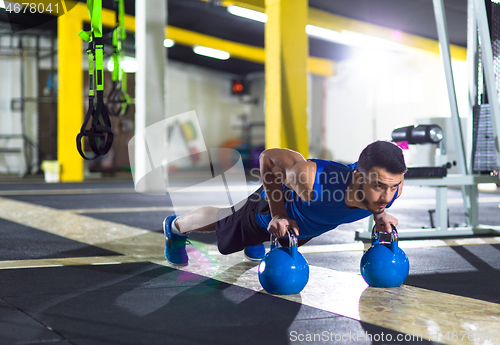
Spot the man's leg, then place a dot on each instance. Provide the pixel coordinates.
(176, 230)
(197, 221)
(230, 237)
(202, 219)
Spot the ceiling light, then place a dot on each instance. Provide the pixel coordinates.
(322, 33)
(365, 41)
(246, 13)
(168, 43)
(344, 37)
(354, 39)
(213, 53)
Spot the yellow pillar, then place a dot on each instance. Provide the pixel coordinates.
(70, 95)
(286, 75)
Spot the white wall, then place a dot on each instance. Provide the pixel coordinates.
(209, 94)
(374, 94)
(316, 115)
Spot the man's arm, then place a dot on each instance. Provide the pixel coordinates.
(282, 166)
(383, 220)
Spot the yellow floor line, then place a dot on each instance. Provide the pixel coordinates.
(405, 309)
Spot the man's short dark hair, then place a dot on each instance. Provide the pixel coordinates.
(382, 154)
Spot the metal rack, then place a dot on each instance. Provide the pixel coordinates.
(478, 31)
(250, 141)
(16, 48)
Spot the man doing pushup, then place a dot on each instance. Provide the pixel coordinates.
(310, 196)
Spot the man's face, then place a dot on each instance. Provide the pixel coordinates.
(378, 188)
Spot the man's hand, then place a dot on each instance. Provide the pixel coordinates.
(279, 224)
(383, 222)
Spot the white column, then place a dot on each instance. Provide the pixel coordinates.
(441, 215)
(150, 23)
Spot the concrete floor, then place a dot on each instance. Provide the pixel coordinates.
(83, 264)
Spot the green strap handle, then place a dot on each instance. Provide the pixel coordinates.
(100, 136)
(118, 99)
(121, 19)
(115, 75)
(119, 34)
(94, 8)
(90, 53)
(99, 65)
(85, 35)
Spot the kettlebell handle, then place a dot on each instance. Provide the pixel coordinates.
(376, 237)
(292, 239)
(394, 234)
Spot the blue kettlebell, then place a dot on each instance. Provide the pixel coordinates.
(385, 264)
(284, 271)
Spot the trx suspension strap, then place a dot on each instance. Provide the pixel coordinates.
(118, 99)
(99, 134)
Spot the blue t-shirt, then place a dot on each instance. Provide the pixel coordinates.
(327, 210)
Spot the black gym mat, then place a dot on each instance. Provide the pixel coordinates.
(17, 327)
(468, 271)
(143, 303)
(151, 221)
(19, 242)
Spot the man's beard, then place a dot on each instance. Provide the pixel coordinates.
(362, 196)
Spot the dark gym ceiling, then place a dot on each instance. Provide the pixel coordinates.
(409, 16)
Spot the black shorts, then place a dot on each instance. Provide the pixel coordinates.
(236, 227)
